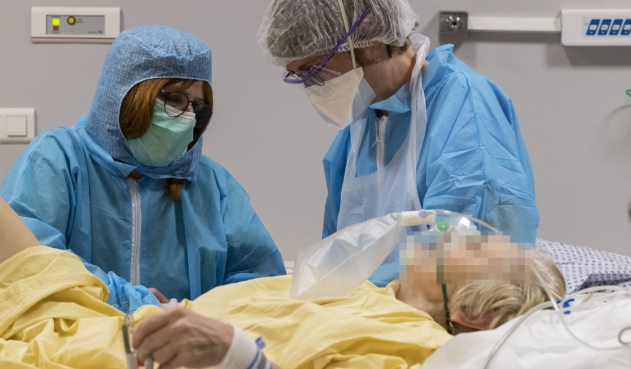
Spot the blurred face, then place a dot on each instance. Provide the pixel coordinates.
(454, 258)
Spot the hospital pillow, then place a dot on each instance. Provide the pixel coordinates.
(585, 267)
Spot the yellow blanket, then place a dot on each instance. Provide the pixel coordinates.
(53, 315)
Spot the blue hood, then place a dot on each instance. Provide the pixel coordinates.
(139, 54)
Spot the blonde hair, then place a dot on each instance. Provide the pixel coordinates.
(508, 301)
(137, 110)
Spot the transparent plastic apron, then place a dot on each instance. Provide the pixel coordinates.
(392, 188)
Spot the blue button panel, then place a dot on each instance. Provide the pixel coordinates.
(615, 27)
(593, 27)
(604, 27)
(608, 27)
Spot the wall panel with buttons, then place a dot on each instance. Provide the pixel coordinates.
(74, 24)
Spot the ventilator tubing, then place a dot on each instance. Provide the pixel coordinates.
(340, 263)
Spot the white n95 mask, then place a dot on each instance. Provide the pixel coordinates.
(167, 139)
(342, 100)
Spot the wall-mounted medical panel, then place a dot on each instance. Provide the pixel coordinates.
(92, 25)
(596, 27)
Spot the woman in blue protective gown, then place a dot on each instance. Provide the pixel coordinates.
(127, 188)
(418, 131)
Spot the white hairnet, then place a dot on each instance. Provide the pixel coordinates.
(296, 29)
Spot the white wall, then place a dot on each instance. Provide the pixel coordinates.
(571, 104)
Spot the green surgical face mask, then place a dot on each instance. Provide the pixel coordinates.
(167, 138)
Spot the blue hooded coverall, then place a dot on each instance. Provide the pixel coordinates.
(72, 188)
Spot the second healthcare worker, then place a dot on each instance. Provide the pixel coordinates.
(127, 188)
(419, 130)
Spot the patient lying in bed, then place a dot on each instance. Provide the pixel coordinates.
(53, 314)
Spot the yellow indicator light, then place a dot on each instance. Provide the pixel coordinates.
(55, 21)
(72, 20)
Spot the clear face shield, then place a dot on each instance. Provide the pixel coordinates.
(340, 99)
(318, 74)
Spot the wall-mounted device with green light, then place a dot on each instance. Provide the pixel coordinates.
(74, 24)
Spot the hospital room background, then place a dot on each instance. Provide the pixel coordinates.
(572, 103)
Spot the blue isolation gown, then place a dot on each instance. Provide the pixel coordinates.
(73, 195)
(473, 159)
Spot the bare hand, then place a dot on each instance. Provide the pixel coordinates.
(179, 337)
(159, 296)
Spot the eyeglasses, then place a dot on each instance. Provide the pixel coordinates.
(180, 102)
(317, 74)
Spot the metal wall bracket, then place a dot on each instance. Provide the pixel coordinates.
(454, 24)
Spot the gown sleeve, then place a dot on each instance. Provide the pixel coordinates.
(251, 251)
(474, 159)
(41, 187)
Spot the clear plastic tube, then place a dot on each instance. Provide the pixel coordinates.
(504, 338)
(608, 297)
(551, 303)
(596, 299)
